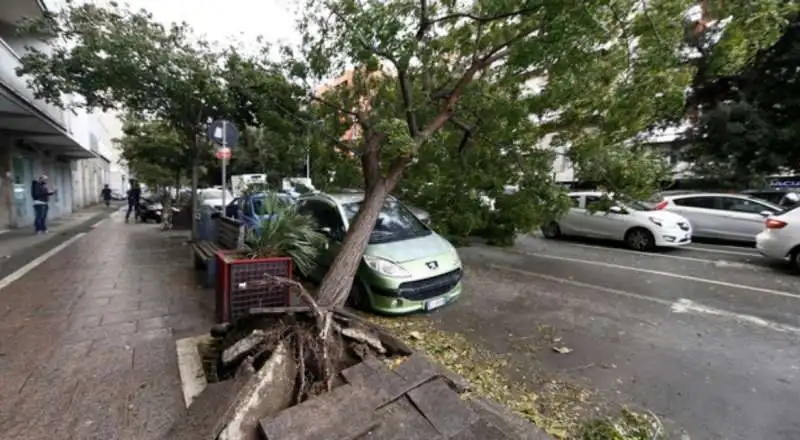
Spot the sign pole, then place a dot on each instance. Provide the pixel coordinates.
(224, 164)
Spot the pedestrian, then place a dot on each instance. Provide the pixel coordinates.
(106, 194)
(41, 197)
(134, 194)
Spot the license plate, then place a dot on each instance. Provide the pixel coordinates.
(435, 303)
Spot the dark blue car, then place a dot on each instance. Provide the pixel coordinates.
(250, 209)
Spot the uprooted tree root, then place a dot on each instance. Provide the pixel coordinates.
(323, 342)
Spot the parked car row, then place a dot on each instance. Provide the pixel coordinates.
(677, 217)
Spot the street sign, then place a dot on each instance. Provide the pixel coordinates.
(223, 133)
(223, 153)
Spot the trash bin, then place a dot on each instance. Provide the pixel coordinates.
(206, 230)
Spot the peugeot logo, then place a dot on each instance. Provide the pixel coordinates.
(432, 265)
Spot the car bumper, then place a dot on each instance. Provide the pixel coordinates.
(771, 247)
(427, 295)
(676, 238)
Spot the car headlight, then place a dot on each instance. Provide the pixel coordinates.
(386, 267)
(657, 221)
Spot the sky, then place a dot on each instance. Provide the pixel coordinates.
(225, 21)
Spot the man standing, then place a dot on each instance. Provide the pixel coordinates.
(106, 194)
(41, 197)
(134, 194)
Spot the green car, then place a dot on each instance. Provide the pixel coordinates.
(407, 267)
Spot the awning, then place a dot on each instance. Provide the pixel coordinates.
(22, 120)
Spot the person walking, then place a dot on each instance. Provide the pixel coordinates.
(106, 194)
(134, 194)
(41, 198)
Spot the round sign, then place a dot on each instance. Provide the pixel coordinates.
(223, 132)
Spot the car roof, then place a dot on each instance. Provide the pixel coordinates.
(586, 193)
(706, 194)
(342, 198)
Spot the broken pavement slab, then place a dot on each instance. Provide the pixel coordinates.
(243, 346)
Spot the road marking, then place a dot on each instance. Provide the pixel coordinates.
(684, 305)
(724, 251)
(94, 226)
(680, 306)
(717, 263)
(3, 231)
(580, 284)
(19, 273)
(665, 274)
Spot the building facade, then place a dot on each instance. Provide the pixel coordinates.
(73, 149)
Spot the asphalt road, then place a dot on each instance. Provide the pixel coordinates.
(707, 337)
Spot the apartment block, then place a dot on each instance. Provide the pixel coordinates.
(74, 149)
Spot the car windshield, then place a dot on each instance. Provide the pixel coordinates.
(638, 206)
(395, 222)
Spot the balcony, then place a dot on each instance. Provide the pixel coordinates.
(18, 88)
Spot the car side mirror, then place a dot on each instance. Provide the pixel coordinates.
(616, 210)
(766, 213)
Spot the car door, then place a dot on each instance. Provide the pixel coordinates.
(744, 218)
(328, 218)
(601, 223)
(570, 223)
(704, 213)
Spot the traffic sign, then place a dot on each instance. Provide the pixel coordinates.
(223, 153)
(223, 133)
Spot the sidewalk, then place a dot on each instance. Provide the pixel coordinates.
(88, 347)
(14, 240)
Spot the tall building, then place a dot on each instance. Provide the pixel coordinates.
(73, 149)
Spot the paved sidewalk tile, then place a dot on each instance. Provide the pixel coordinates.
(88, 347)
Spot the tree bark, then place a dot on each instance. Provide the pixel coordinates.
(195, 180)
(336, 285)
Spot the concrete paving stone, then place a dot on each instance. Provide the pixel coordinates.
(107, 331)
(154, 323)
(131, 315)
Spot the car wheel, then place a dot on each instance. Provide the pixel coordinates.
(640, 239)
(358, 297)
(794, 259)
(551, 230)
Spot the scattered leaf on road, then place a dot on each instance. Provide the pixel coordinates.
(562, 350)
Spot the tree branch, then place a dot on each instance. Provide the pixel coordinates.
(425, 23)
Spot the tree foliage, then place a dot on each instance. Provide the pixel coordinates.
(747, 127)
(155, 153)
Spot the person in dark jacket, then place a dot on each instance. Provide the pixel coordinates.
(106, 194)
(134, 194)
(41, 197)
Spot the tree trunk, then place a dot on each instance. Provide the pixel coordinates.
(336, 285)
(195, 179)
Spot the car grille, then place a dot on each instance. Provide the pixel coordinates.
(430, 287)
(684, 226)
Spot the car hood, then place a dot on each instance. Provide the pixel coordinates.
(404, 251)
(666, 216)
(213, 202)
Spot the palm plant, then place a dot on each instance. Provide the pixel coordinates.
(285, 232)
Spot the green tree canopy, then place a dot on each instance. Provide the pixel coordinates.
(156, 154)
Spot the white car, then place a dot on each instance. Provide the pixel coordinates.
(640, 227)
(780, 239)
(721, 216)
(212, 198)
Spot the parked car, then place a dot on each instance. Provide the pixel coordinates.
(734, 217)
(250, 209)
(780, 239)
(784, 198)
(635, 223)
(406, 267)
(212, 198)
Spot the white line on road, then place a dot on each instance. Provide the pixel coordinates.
(754, 254)
(718, 263)
(681, 306)
(580, 284)
(3, 231)
(665, 274)
(684, 305)
(94, 226)
(19, 273)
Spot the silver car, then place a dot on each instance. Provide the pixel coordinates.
(721, 216)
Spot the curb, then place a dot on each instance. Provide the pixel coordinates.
(190, 367)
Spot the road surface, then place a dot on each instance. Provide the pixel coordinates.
(707, 337)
